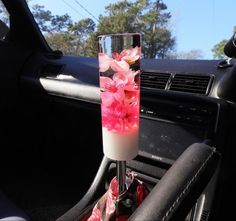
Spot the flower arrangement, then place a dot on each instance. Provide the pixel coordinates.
(119, 68)
(120, 91)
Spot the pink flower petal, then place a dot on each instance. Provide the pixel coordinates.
(104, 62)
(107, 98)
(120, 78)
(119, 65)
(132, 55)
(104, 81)
(96, 215)
(119, 95)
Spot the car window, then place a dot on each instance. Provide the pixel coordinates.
(181, 29)
(4, 21)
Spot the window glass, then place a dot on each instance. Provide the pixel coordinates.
(179, 29)
(4, 21)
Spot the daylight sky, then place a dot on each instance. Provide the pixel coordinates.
(196, 24)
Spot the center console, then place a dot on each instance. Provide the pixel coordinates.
(167, 128)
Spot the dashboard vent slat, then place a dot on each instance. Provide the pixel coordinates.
(205, 215)
(197, 84)
(190, 83)
(154, 80)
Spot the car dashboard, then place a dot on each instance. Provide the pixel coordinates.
(182, 102)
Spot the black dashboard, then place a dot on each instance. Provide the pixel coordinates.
(180, 99)
(48, 100)
(182, 102)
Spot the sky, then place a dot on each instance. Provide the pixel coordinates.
(196, 24)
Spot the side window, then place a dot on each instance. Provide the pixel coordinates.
(4, 21)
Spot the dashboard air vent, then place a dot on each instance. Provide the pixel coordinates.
(154, 80)
(205, 215)
(198, 84)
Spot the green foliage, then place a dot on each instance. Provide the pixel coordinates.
(73, 41)
(60, 22)
(218, 49)
(43, 17)
(148, 17)
(143, 16)
(82, 28)
(62, 42)
(48, 22)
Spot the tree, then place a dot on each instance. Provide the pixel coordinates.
(48, 22)
(143, 16)
(54, 28)
(43, 17)
(148, 17)
(157, 39)
(62, 42)
(81, 31)
(218, 49)
(60, 23)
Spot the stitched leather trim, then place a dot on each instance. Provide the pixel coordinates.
(186, 189)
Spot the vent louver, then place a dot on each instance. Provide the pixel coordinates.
(154, 80)
(198, 84)
(205, 216)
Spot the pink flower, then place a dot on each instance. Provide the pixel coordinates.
(141, 192)
(95, 216)
(131, 55)
(112, 91)
(127, 57)
(104, 62)
(120, 93)
(119, 65)
(116, 89)
(120, 62)
(127, 78)
(112, 196)
(121, 117)
(120, 102)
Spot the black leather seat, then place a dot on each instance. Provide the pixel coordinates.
(9, 211)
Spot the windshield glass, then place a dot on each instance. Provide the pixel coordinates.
(180, 29)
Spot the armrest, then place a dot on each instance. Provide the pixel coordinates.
(177, 191)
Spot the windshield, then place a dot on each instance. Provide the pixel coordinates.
(180, 29)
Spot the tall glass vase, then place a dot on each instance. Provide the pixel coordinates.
(119, 72)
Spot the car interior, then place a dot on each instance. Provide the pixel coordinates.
(52, 164)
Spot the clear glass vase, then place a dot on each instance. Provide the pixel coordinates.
(119, 72)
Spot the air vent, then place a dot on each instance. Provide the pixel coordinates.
(154, 80)
(198, 84)
(205, 215)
